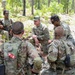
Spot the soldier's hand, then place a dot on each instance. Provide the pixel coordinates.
(1, 26)
(49, 41)
(35, 71)
(34, 36)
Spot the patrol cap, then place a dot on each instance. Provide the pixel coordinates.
(36, 18)
(5, 11)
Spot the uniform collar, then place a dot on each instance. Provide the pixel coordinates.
(39, 26)
(16, 39)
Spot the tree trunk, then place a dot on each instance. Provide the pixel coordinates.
(74, 6)
(38, 4)
(24, 7)
(67, 6)
(32, 7)
(59, 1)
(49, 2)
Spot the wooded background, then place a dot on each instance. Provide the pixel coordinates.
(38, 7)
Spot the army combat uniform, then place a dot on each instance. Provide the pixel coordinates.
(42, 35)
(7, 23)
(67, 30)
(57, 55)
(16, 64)
(6, 29)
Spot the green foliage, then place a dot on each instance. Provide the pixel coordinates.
(28, 30)
(66, 4)
(28, 4)
(55, 8)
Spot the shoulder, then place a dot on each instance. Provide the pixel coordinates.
(44, 26)
(28, 43)
(55, 43)
(70, 44)
(34, 27)
(64, 25)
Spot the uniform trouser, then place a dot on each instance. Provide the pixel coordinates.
(50, 72)
(70, 72)
(45, 48)
(6, 34)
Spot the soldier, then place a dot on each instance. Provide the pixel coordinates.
(59, 55)
(15, 54)
(3, 32)
(56, 22)
(41, 35)
(7, 22)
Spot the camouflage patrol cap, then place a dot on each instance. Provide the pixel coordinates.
(5, 11)
(36, 18)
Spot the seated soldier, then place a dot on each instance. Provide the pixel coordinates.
(55, 20)
(41, 37)
(7, 22)
(3, 33)
(15, 53)
(59, 55)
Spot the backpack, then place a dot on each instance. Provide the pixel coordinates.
(12, 53)
(70, 54)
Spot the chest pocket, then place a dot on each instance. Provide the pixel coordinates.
(38, 31)
(7, 22)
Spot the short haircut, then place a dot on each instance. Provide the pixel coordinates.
(5, 11)
(17, 27)
(59, 31)
(55, 18)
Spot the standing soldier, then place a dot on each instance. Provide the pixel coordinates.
(15, 53)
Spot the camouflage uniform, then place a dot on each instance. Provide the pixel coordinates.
(7, 26)
(56, 57)
(42, 35)
(67, 30)
(20, 67)
(4, 34)
(7, 23)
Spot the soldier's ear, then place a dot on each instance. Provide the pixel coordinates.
(23, 32)
(11, 31)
